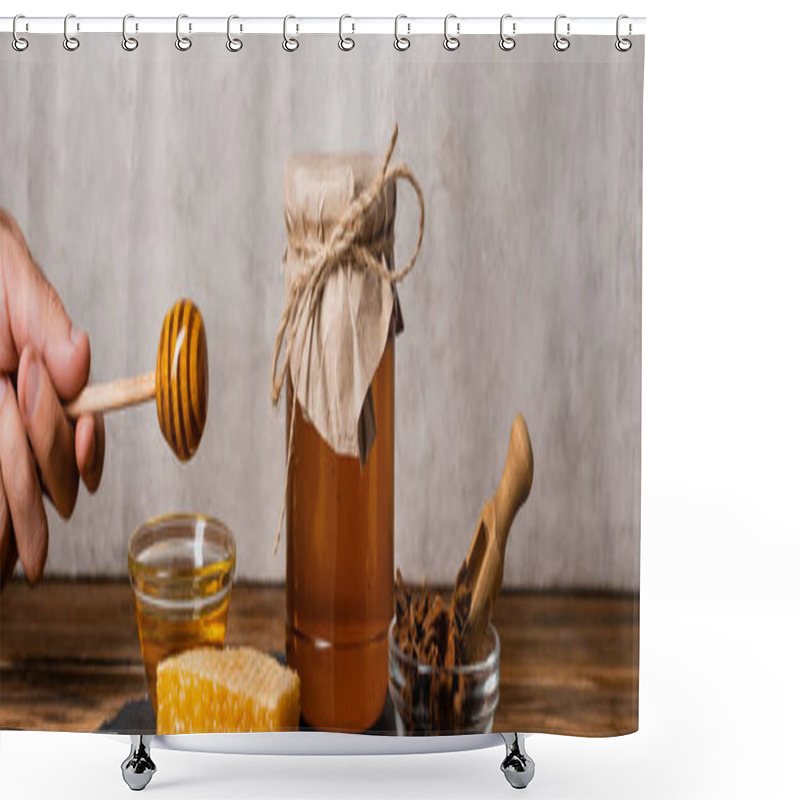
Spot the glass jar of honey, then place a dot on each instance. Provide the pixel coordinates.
(340, 505)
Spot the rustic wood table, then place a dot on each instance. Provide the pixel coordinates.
(70, 659)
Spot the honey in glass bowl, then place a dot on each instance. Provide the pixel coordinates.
(181, 570)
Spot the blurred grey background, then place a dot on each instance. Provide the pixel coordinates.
(142, 177)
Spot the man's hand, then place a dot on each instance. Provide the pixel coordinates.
(44, 361)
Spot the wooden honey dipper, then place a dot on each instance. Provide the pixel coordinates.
(179, 383)
(486, 556)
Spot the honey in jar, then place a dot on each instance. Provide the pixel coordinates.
(340, 506)
(340, 567)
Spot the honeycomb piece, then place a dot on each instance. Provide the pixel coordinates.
(231, 690)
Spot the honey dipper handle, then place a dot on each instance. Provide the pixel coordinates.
(515, 485)
(112, 396)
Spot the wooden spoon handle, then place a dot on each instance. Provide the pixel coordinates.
(486, 558)
(515, 485)
(112, 396)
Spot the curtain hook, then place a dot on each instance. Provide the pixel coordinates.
(129, 43)
(401, 42)
(561, 43)
(507, 42)
(71, 43)
(622, 44)
(346, 43)
(183, 43)
(451, 42)
(18, 42)
(290, 44)
(234, 44)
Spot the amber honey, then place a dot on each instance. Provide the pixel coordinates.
(181, 570)
(340, 568)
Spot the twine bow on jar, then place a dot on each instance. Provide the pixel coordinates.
(347, 245)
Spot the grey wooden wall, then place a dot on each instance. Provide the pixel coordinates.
(140, 177)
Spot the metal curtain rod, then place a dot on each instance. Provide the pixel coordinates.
(407, 26)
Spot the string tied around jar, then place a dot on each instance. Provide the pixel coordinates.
(346, 245)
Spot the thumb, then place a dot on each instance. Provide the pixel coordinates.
(37, 317)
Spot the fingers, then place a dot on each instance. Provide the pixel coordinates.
(51, 436)
(21, 486)
(8, 547)
(90, 449)
(34, 315)
(9, 224)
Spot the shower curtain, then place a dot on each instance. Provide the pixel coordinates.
(134, 178)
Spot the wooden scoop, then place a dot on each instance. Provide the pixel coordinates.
(488, 549)
(179, 383)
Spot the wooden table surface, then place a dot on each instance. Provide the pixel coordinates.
(70, 658)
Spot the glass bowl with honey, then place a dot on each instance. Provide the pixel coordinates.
(181, 569)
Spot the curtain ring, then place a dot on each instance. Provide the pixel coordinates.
(622, 44)
(346, 43)
(507, 42)
(183, 43)
(561, 43)
(401, 42)
(451, 42)
(129, 43)
(71, 43)
(290, 44)
(234, 44)
(18, 42)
